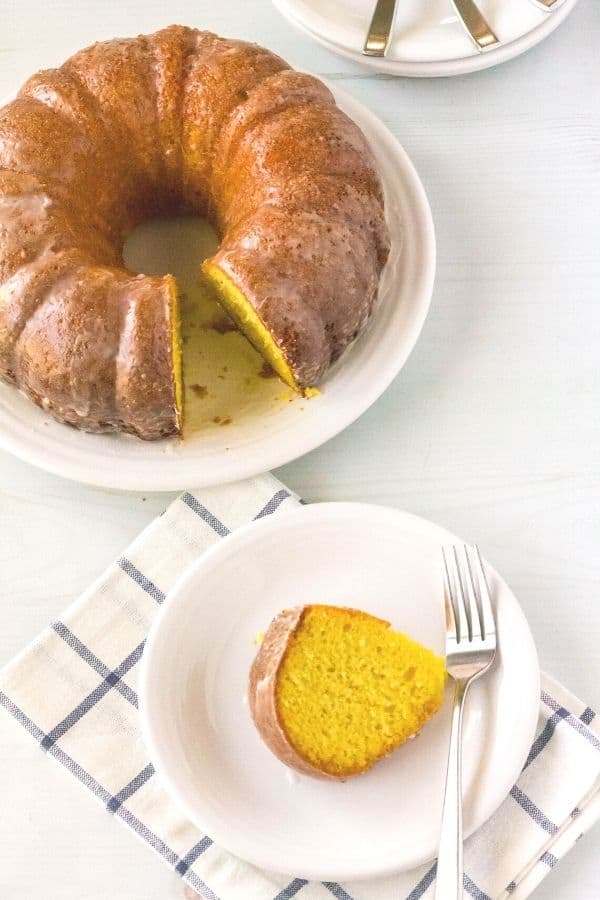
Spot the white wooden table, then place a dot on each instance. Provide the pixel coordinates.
(492, 429)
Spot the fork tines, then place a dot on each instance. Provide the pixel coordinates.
(469, 614)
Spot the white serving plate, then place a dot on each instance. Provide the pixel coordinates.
(267, 430)
(202, 741)
(429, 38)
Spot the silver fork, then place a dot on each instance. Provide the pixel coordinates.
(476, 26)
(547, 5)
(379, 35)
(470, 651)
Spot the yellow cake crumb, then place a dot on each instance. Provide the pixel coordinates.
(248, 321)
(350, 690)
(176, 345)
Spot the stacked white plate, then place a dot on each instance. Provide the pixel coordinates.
(428, 37)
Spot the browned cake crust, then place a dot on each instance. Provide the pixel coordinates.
(262, 697)
(180, 121)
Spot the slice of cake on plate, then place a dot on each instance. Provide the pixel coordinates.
(334, 690)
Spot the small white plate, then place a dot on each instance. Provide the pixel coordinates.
(264, 429)
(429, 38)
(203, 743)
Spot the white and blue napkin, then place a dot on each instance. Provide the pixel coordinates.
(74, 691)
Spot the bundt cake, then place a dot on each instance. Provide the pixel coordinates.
(334, 690)
(178, 122)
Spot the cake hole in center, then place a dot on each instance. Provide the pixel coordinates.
(225, 379)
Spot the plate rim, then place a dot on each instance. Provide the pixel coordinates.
(437, 68)
(67, 460)
(150, 725)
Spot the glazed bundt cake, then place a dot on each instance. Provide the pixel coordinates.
(178, 122)
(334, 690)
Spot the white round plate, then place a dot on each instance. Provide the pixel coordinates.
(198, 728)
(429, 38)
(260, 439)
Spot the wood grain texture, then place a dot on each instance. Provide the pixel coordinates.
(492, 429)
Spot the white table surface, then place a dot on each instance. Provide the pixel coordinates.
(492, 429)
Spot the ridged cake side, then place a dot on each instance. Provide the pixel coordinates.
(177, 122)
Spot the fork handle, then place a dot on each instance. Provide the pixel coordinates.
(449, 880)
(477, 28)
(380, 30)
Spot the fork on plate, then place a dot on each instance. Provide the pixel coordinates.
(470, 651)
(379, 35)
(476, 26)
(380, 30)
(547, 5)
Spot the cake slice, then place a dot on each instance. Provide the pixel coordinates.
(333, 690)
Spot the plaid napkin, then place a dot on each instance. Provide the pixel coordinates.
(74, 691)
